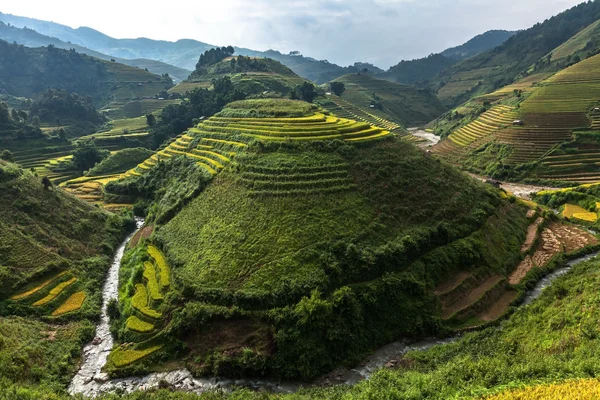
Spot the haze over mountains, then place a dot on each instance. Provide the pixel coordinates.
(183, 54)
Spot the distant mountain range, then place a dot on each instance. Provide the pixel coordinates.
(184, 53)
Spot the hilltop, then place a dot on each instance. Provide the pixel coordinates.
(250, 75)
(406, 105)
(303, 244)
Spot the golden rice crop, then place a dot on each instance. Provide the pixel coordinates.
(73, 303)
(139, 301)
(150, 276)
(582, 389)
(137, 325)
(163, 266)
(39, 287)
(577, 212)
(122, 358)
(55, 292)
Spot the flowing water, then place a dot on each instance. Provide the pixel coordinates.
(91, 381)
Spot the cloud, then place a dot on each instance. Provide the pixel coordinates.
(343, 31)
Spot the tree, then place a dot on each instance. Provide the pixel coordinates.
(306, 92)
(36, 121)
(6, 155)
(4, 114)
(46, 182)
(14, 114)
(150, 119)
(337, 87)
(87, 155)
(62, 134)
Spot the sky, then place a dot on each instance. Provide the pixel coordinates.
(381, 32)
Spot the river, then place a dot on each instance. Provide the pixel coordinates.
(91, 381)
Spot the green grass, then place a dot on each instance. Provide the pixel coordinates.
(275, 235)
(121, 161)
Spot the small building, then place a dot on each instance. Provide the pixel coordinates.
(518, 122)
(596, 109)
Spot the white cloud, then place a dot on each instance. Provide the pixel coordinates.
(342, 31)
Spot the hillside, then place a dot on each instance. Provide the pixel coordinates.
(558, 140)
(27, 71)
(421, 70)
(251, 75)
(519, 56)
(30, 38)
(403, 104)
(286, 241)
(479, 44)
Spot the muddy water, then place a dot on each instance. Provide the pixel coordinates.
(91, 381)
(429, 137)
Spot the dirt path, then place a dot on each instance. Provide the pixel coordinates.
(518, 189)
(532, 231)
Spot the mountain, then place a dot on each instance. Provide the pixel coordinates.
(514, 59)
(30, 38)
(480, 43)
(26, 71)
(182, 53)
(404, 104)
(421, 70)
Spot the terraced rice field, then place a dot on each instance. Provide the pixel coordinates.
(494, 119)
(146, 310)
(298, 179)
(571, 211)
(344, 109)
(214, 142)
(49, 294)
(583, 389)
(553, 240)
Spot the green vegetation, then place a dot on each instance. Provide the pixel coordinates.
(53, 105)
(522, 54)
(120, 161)
(27, 71)
(314, 249)
(403, 104)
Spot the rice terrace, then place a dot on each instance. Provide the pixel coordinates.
(371, 220)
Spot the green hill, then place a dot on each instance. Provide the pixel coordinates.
(519, 56)
(251, 75)
(406, 105)
(557, 141)
(27, 71)
(30, 38)
(307, 240)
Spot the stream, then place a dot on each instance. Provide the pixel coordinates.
(91, 381)
(430, 138)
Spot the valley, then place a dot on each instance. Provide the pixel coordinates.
(185, 221)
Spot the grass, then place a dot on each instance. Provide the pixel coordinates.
(120, 161)
(297, 226)
(73, 303)
(55, 292)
